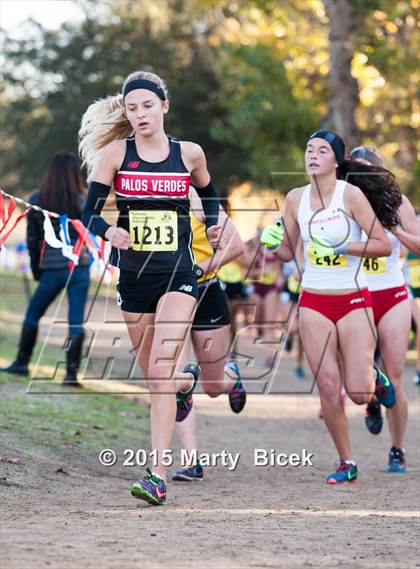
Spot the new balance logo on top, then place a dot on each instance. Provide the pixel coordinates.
(133, 164)
(187, 288)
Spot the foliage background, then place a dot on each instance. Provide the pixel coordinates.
(248, 80)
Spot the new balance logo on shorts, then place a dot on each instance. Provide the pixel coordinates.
(187, 288)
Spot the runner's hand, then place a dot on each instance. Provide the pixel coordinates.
(215, 237)
(118, 237)
(273, 235)
(320, 246)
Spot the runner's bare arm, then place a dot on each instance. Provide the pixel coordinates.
(286, 251)
(409, 231)
(299, 260)
(233, 246)
(195, 160)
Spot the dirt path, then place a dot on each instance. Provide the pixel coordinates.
(253, 517)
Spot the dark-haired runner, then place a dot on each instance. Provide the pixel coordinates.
(335, 314)
(392, 314)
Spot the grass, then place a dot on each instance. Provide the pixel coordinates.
(73, 427)
(67, 427)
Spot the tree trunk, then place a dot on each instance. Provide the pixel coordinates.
(344, 98)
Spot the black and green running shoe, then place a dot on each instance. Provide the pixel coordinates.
(190, 473)
(396, 461)
(237, 396)
(373, 417)
(384, 390)
(184, 400)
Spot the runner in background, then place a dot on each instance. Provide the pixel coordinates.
(211, 334)
(392, 314)
(411, 242)
(413, 277)
(240, 294)
(265, 273)
(289, 298)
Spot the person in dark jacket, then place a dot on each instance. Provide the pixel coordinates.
(61, 192)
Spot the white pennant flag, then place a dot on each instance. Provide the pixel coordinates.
(51, 239)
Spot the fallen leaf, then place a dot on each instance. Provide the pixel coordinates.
(9, 460)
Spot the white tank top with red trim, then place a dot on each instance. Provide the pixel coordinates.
(336, 226)
(384, 272)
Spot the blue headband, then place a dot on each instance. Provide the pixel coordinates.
(144, 84)
(335, 142)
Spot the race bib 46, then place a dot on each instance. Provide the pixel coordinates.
(375, 266)
(414, 273)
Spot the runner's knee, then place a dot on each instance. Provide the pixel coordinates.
(159, 379)
(360, 398)
(212, 393)
(211, 388)
(329, 386)
(359, 393)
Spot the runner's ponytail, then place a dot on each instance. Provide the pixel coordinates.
(379, 186)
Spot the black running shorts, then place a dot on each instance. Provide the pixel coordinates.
(141, 294)
(212, 307)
